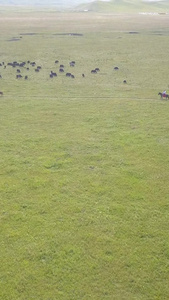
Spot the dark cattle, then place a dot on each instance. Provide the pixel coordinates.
(97, 69)
(68, 74)
(51, 75)
(83, 75)
(72, 63)
(93, 71)
(1, 93)
(11, 64)
(72, 76)
(18, 71)
(27, 69)
(116, 68)
(22, 64)
(18, 76)
(56, 61)
(0, 76)
(37, 70)
(39, 67)
(26, 77)
(61, 70)
(61, 66)
(124, 81)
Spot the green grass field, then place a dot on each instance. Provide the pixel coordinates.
(84, 161)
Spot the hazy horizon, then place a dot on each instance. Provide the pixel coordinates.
(63, 3)
(74, 3)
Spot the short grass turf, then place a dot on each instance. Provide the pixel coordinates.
(84, 161)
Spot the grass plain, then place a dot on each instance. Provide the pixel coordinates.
(84, 161)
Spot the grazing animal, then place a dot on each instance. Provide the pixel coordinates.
(124, 81)
(26, 77)
(68, 74)
(72, 63)
(93, 71)
(1, 93)
(54, 74)
(116, 68)
(83, 75)
(163, 95)
(61, 70)
(22, 64)
(18, 76)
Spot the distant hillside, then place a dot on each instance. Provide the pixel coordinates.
(60, 3)
(125, 6)
(98, 5)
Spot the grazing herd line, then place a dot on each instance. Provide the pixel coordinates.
(26, 66)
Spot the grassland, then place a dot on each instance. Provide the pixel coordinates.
(84, 161)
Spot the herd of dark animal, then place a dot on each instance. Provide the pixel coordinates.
(21, 67)
(28, 64)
